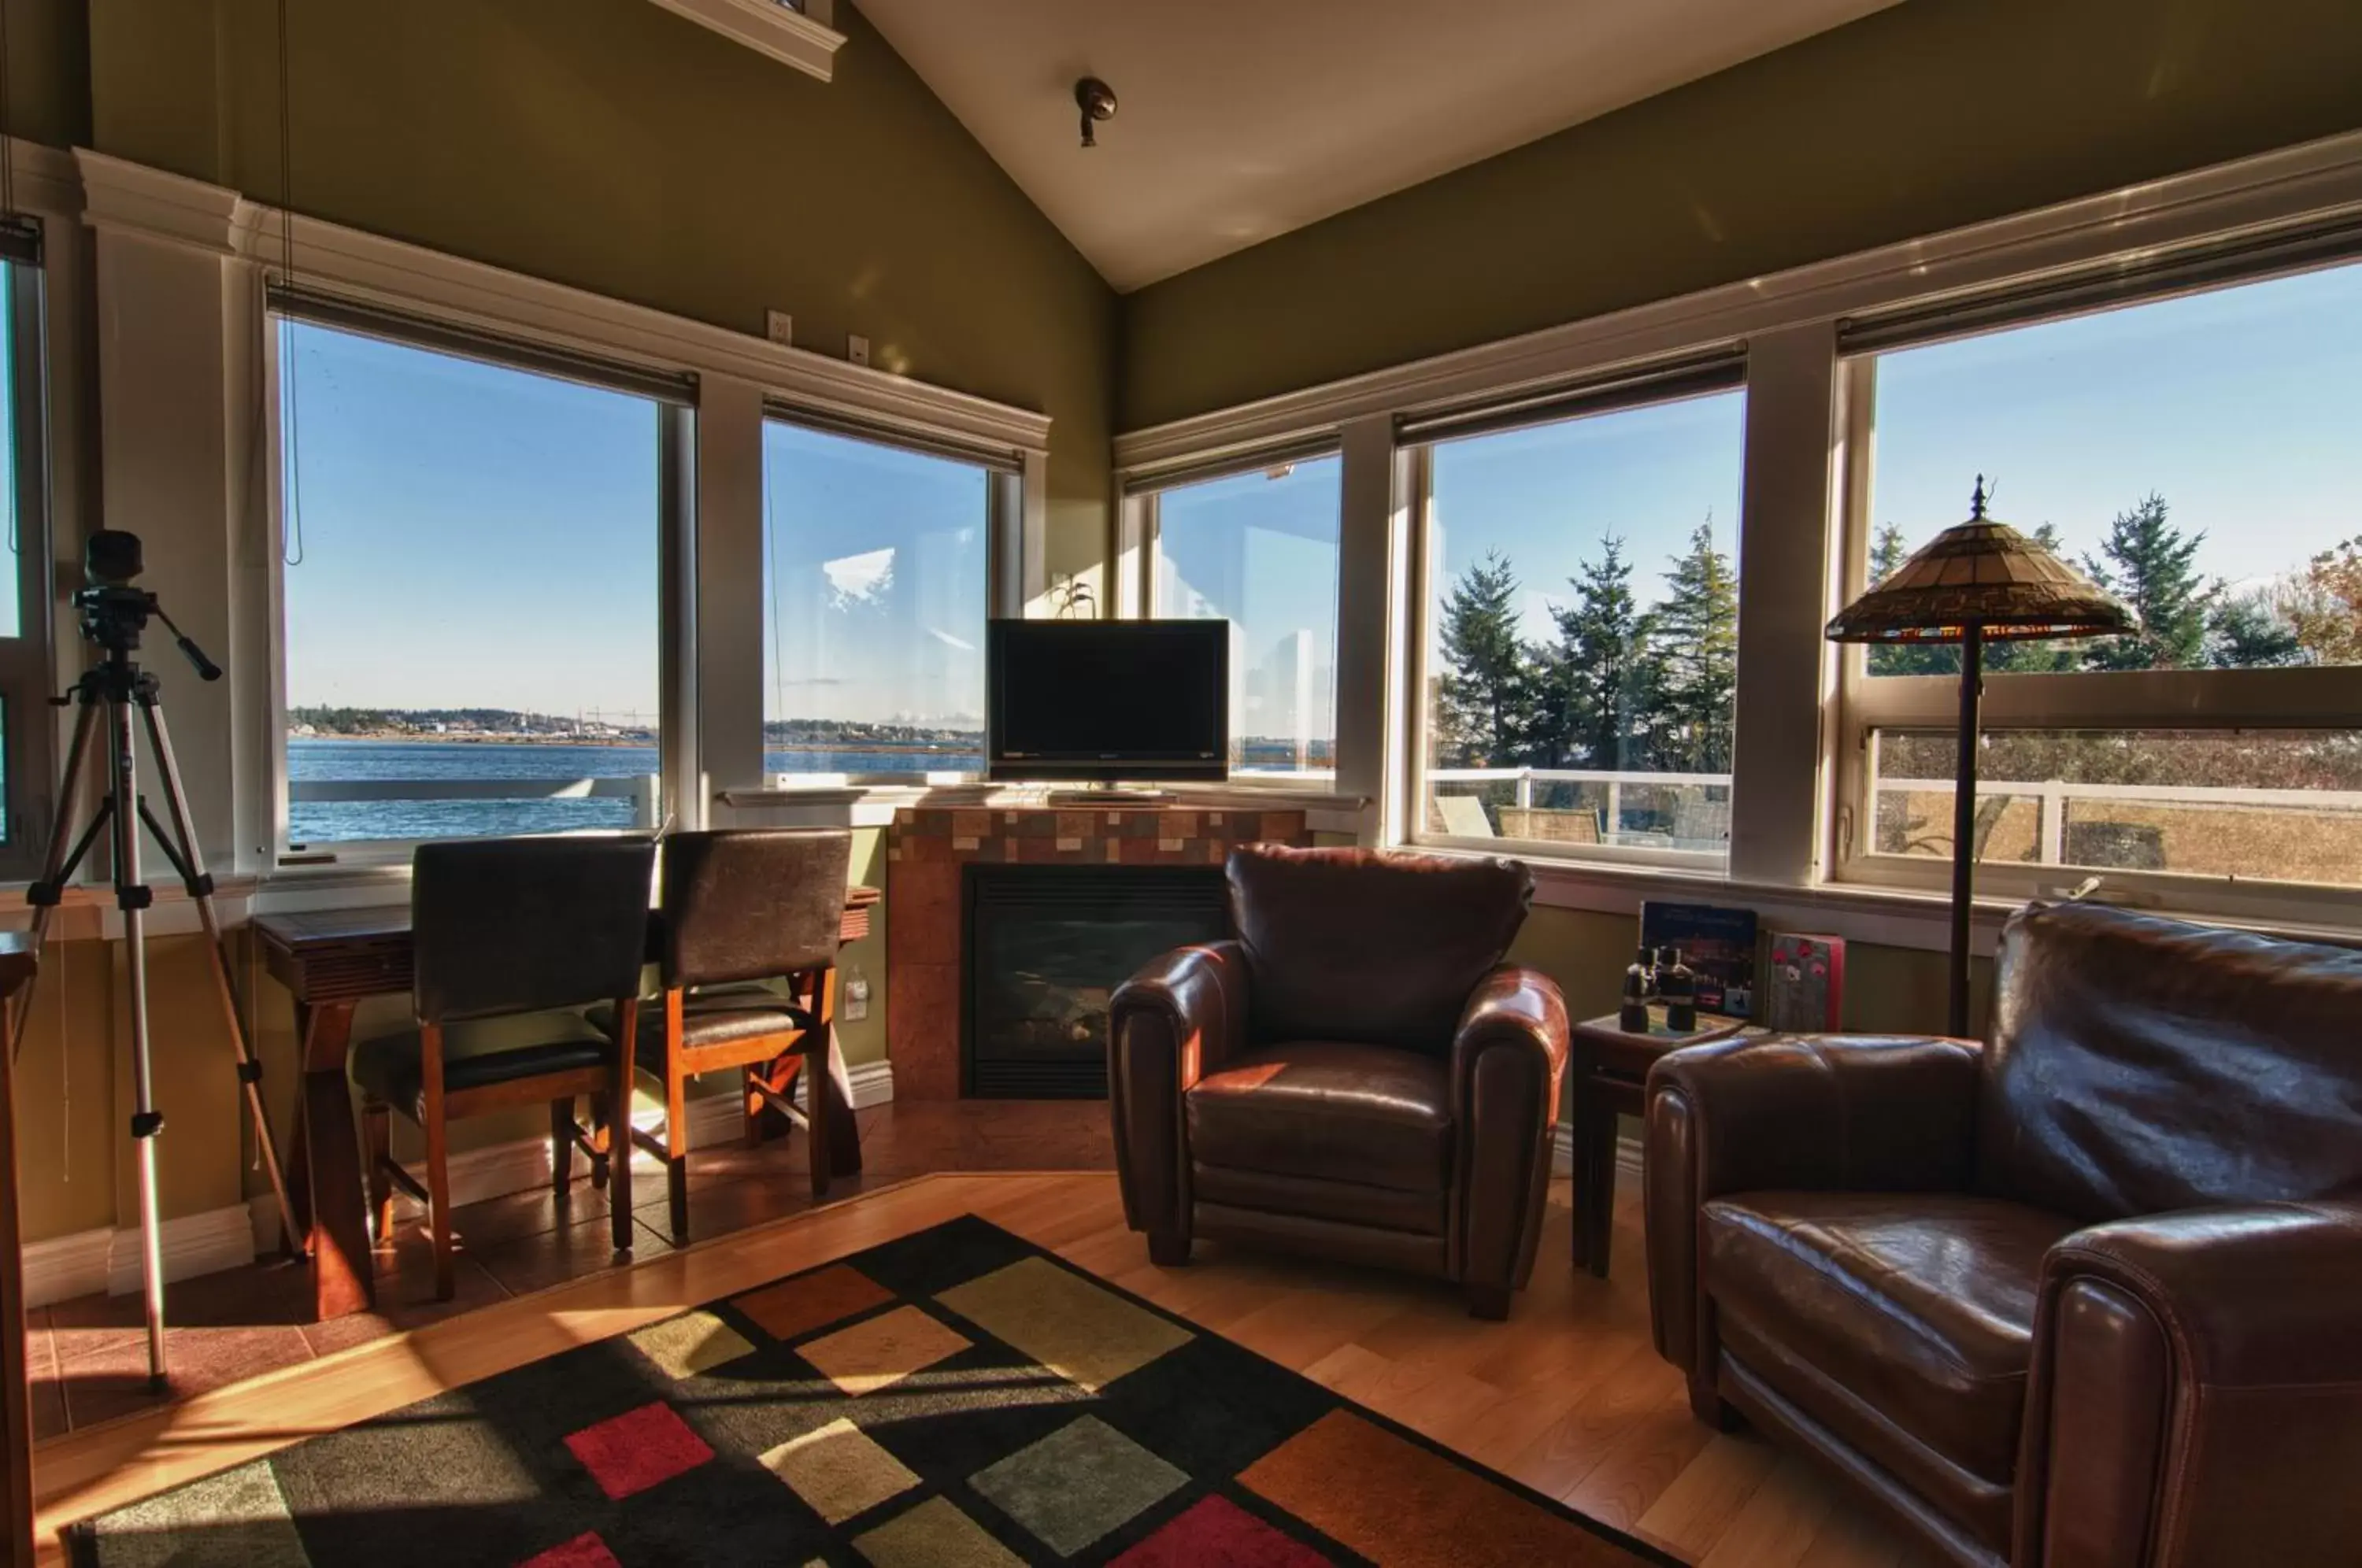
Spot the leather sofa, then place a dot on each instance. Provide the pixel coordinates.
(1356, 1075)
(2088, 1295)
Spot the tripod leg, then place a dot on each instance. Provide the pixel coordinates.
(132, 897)
(57, 866)
(181, 848)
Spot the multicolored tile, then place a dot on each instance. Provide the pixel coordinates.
(1080, 1483)
(882, 1350)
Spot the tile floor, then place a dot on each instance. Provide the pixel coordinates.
(89, 1357)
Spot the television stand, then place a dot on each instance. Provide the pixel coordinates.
(1109, 795)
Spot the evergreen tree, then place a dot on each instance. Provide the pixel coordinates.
(2146, 562)
(1696, 652)
(2247, 631)
(1602, 665)
(1485, 707)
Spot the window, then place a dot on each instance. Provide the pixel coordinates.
(1581, 608)
(470, 589)
(2197, 456)
(1259, 549)
(25, 676)
(877, 572)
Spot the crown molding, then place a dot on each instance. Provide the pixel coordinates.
(153, 205)
(2306, 182)
(768, 27)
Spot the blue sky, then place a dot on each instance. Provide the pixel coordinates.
(484, 537)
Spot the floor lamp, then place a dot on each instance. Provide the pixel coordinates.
(1977, 582)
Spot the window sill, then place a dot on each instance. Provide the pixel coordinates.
(770, 29)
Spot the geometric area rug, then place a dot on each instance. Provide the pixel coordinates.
(956, 1398)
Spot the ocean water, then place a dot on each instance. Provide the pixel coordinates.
(331, 822)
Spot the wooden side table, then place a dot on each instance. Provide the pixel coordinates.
(1610, 1070)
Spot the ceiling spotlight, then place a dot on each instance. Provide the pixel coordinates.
(1095, 99)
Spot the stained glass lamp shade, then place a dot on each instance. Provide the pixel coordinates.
(1976, 582)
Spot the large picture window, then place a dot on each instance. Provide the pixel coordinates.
(876, 570)
(2197, 456)
(1581, 609)
(1259, 549)
(470, 594)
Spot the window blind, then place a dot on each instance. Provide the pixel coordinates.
(296, 303)
(21, 241)
(999, 460)
(2158, 275)
(1692, 375)
(1228, 465)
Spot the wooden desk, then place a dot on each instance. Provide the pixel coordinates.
(17, 964)
(331, 959)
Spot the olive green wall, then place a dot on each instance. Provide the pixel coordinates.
(49, 70)
(1919, 119)
(613, 146)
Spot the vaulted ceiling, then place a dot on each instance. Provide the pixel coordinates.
(1241, 119)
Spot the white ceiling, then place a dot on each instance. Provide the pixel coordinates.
(1241, 119)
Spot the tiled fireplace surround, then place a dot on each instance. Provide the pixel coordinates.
(927, 847)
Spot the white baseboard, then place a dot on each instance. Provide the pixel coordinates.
(1628, 1153)
(108, 1260)
(91, 1261)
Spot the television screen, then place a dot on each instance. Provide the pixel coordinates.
(1104, 699)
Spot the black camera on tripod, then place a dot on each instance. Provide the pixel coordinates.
(114, 612)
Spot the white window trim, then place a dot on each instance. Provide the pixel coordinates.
(1791, 759)
(159, 212)
(771, 28)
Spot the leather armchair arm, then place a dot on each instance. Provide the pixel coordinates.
(1508, 1060)
(1832, 1112)
(2196, 1395)
(1180, 1017)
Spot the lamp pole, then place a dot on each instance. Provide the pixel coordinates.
(1964, 819)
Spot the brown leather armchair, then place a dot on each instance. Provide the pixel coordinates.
(2090, 1295)
(1357, 1074)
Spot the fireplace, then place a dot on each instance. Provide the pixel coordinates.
(1045, 946)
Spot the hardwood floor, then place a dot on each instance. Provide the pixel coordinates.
(1568, 1395)
(88, 1357)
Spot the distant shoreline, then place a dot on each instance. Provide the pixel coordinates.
(411, 737)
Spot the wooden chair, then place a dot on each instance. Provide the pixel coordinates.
(503, 928)
(739, 909)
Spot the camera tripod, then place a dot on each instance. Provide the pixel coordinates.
(113, 615)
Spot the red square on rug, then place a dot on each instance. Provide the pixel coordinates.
(586, 1550)
(638, 1449)
(1217, 1533)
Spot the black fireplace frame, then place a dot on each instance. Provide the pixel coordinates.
(1066, 877)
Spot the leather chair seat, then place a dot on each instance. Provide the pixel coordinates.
(388, 1067)
(1316, 1109)
(1888, 1318)
(716, 1016)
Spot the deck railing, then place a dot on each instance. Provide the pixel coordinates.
(2053, 802)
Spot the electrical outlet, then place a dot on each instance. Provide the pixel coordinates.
(856, 998)
(780, 327)
(857, 349)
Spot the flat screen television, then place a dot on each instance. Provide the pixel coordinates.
(1102, 701)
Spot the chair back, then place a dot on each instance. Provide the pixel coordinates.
(505, 925)
(752, 904)
(2140, 1064)
(1369, 946)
